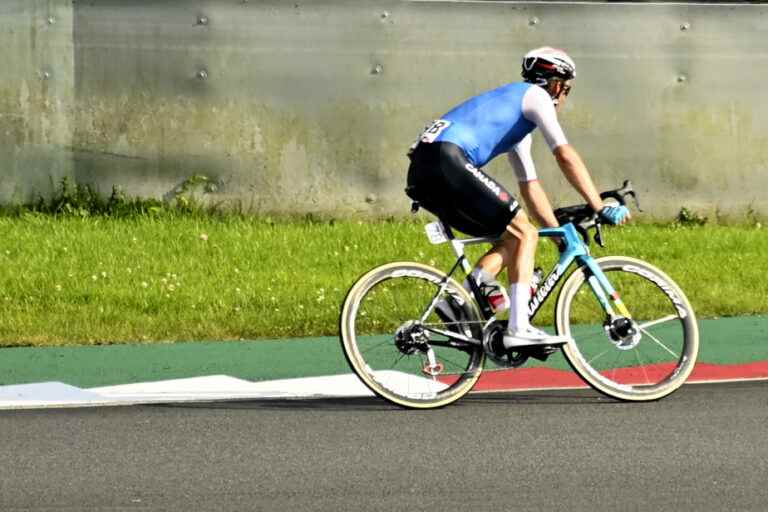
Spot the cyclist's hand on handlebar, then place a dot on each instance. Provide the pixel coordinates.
(614, 214)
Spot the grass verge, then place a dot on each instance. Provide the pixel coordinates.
(99, 280)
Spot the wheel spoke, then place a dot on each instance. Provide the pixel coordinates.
(598, 356)
(677, 356)
(385, 342)
(397, 360)
(655, 301)
(642, 366)
(657, 322)
(391, 299)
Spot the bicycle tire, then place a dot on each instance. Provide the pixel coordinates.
(357, 328)
(644, 288)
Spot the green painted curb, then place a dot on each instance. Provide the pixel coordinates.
(723, 341)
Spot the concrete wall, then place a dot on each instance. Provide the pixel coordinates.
(310, 105)
(36, 96)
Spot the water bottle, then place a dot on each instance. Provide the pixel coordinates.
(538, 275)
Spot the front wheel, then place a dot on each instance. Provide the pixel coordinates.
(643, 356)
(396, 341)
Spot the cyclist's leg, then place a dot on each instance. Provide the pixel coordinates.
(520, 242)
(515, 251)
(473, 202)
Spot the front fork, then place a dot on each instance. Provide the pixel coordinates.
(605, 293)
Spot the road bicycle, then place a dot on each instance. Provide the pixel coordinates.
(635, 335)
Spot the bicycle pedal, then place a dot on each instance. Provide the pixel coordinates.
(543, 352)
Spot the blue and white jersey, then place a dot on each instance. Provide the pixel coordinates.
(489, 124)
(500, 121)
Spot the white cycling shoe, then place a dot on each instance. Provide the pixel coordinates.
(532, 337)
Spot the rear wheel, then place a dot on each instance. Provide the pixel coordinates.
(643, 357)
(396, 350)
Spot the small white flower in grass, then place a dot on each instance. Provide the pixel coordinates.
(129, 270)
(432, 262)
(237, 290)
(134, 239)
(104, 275)
(163, 280)
(237, 270)
(203, 237)
(94, 277)
(301, 306)
(237, 309)
(144, 284)
(171, 287)
(58, 287)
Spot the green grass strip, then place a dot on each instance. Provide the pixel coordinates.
(100, 280)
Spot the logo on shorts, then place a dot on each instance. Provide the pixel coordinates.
(489, 183)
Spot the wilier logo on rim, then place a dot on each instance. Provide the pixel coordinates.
(488, 182)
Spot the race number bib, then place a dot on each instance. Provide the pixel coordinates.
(430, 133)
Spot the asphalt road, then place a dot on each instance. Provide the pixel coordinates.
(703, 448)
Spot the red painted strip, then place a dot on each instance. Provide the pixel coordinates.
(543, 378)
(706, 372)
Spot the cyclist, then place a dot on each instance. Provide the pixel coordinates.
(445, 176)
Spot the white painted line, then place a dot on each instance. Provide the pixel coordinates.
(46, 394)
(197, 389)
(219, 388)
(216, 387)
(722, 381)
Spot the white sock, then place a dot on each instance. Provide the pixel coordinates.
(480, 275)
(519, 295)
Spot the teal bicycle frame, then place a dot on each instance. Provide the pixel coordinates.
(575, 250)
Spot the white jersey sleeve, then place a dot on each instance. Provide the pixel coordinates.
(521, 160)
(538, 109)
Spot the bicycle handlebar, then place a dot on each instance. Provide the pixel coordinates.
(584, 217)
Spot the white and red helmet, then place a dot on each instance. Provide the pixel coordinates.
(543, 64)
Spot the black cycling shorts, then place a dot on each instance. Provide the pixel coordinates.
(444, 182)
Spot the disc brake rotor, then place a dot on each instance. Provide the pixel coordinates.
(623, 332)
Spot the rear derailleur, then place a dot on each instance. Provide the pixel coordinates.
(412, 337)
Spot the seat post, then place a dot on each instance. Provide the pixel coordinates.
(447, 229)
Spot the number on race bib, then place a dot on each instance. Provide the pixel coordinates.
(430, 133)
(434, 130)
